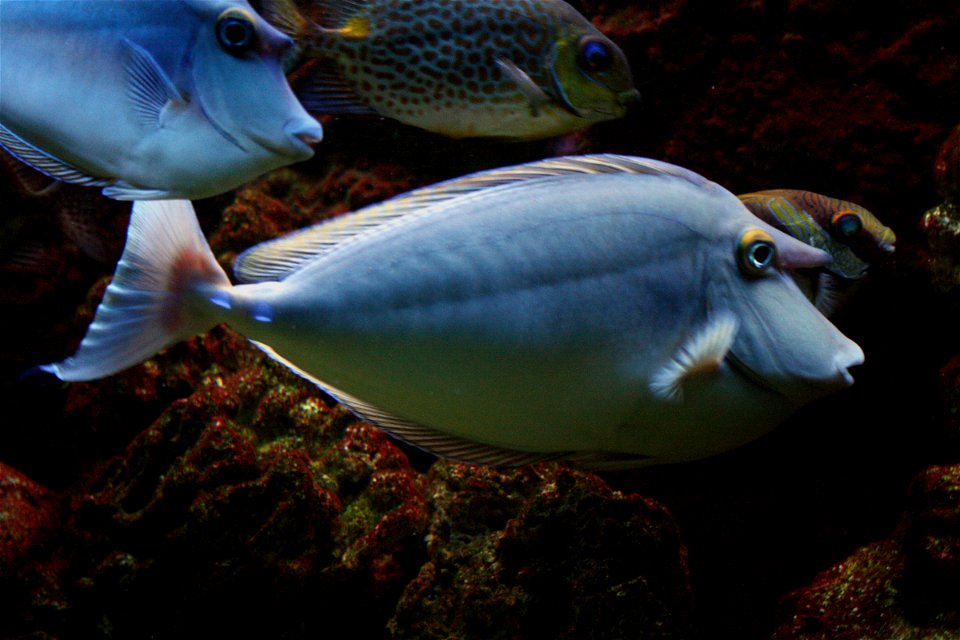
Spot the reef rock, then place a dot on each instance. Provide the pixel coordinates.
(906, 587)
(547, 552)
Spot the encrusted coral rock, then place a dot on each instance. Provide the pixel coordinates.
(28, 514)
(942, 228)
(903, 588)
(946, 168)
(544, 551)
(941, 224)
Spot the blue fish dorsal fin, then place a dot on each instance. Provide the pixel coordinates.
(46, 163)
(454, 447)
(279, 258)
(148, 87)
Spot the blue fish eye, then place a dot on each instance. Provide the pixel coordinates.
(846, 224)
(594, 55)
(236, 32)
(756, 252)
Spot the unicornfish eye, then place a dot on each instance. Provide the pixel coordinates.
(594, 55)
(846, 224)
(756, 252)
(236, 32)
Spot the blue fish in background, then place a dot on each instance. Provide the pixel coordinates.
(611, 310)
(148, 99)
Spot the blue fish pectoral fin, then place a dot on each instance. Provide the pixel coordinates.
(321, 89)
(701, 354)
(535, 95)
(149, 89)
(46, 163)
(121, 190)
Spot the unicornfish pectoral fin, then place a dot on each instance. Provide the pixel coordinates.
(121, 190)
(148, 87)
(701, 354)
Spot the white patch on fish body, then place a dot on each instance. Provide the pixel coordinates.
(525, 318)
(140, 97)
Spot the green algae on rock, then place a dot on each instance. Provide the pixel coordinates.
(544, 551)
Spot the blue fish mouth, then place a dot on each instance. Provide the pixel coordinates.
(750, 376)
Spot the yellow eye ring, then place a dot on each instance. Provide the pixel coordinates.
(236, 31)
(756, 252)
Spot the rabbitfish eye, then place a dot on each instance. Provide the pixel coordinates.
(236, 32)
(756, 252)
(846, 224)
(594, 55)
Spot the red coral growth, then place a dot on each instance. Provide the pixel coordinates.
(545, 552)
(905, 587)
(29, 513)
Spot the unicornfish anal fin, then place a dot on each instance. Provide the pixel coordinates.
(46, 163)
(148, 87)
(279, 258)
(453, 447)
(701, 354)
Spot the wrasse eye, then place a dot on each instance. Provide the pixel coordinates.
(756, 252)
(594, 55)
(236, 31)
(845, 224)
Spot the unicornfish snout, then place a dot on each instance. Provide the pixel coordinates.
(303, 135)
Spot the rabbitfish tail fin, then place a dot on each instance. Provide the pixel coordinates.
(160, 293)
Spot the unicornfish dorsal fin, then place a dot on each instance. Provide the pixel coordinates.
(279, 258)
(701, 354)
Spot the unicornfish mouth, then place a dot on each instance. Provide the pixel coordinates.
(303, 136)
(740, 368)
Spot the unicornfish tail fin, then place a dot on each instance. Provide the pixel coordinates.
(158, 295)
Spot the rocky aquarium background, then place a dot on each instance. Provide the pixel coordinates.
(210, 491)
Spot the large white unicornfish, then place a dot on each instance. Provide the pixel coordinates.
(148, 98)
(613, 310)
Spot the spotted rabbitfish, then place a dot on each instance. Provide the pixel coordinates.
(612, 310)
(148, 98)
(519, 69)
(852, 236)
